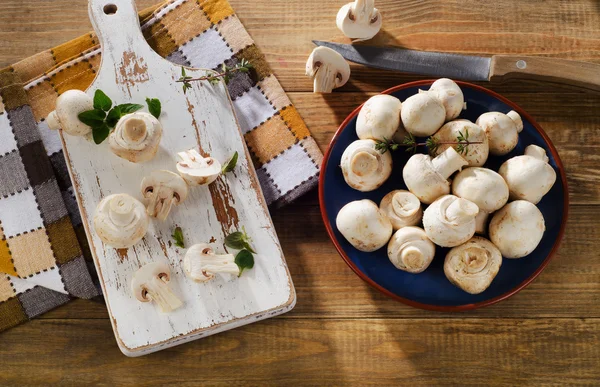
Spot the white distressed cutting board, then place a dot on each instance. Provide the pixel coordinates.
(202, 119)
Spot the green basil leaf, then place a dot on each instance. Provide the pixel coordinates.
(245, 260)
(101, 101)
(127, 108)
(113, 116)
(178, 237)
(235, 240)
(230, 165)
(248, 247)
(154, 106)
(92, 117)
(100, 133)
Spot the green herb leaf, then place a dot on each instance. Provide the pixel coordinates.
(101, 101)
(245, 260)
(113, 116)
(154, 106)
(230, 165)
(127, 108)
(100, 133)
(178, 237)
(235, 240)
(92, 117)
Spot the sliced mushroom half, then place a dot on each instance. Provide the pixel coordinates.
(161, 189)
(196, 169)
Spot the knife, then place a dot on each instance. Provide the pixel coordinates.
(498, 68)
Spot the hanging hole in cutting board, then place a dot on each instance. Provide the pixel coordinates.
(110, 9)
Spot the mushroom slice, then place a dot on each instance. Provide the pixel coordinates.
(450, 220)
(477, 154)
(502, 130)
(161, 190)
(201, 263)
(365, 168)
(68, 106)
(359, 20)
(423, 114)
(411, 250)
(379, 118)
(136, 137)
(427, 178)
(328, 69)
(473, 265)
(402, 208)
(450, 95)
(529, 177)
(120, 221)
(198, 170)
(517, 228)
(150, 283)
(364, 225)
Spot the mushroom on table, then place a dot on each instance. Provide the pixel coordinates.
(328, 69)
(150, 284)
(161, 189)
(359, 20)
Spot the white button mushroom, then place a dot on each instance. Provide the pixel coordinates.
(68, 106)
(529, 177)
(476, 154)
(161, 190)
(427, 178)
(473, 265)
(422, 114)
(364, 225)
(120, 221)
(517, 228)
(402, 208)
(502, 130)
(198, 170)
(379, 118)
(485, 188)
(451, 96)
(359, 20)
(410, 250)
(136, 137)
(328, 69)
(450, 220)
(149, 283)
(201, 263)
(365, 168)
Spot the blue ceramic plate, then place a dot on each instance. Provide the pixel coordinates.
(431, 289)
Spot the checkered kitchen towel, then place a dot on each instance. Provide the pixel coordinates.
(201, 34)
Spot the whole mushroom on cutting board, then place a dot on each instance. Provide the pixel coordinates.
(136, 137)
(364, 225)
(120, 220)
(364, 167)
(65, 116)
(411, 250)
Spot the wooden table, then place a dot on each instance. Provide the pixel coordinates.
(342, 331)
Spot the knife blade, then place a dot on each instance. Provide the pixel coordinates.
(497, 68)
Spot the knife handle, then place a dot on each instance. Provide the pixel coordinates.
(581, 74)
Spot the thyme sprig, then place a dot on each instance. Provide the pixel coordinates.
(410, 143)
(226, 71)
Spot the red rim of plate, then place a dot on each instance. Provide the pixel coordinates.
(442, 308)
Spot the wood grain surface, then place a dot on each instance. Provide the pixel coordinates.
(342, 332)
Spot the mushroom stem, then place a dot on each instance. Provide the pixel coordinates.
(516, 118)
(481, 222)
(536, 152)
(448, 162)
(461, 211)
(53, 120)
(324, 79)
(159, 206)
(121, 211)
(362, 10)
(159, 292)
(203, 269)
(135, 130)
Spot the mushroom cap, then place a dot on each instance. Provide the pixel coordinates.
(68, 106)
(379, 118)
(161, 189)
(196, 169)
(365, 168)
(451, 96)
(450, 221)
(136, 137)
(473, 265)
(328, 69)
(477, 153)
(120, 220)
(501, 130)
(144, 274)
(528, 177)
(517, 228)
(364, 225)
(482, 186)
(423, 114)
(360, 23)
(402, 208)
(410, 250)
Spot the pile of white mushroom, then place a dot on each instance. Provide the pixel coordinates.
(457, 208)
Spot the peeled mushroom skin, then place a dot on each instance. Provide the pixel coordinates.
(410, 250)
(422, 114)
(120, 221)
(484, 187)
(477, 153)
(517, 229)
(364, 167)
(502, 130)
(328, 69)
(161, 190)
(201, 263)
(473, 265)
(136, 137)
(197, 169)
(359, 20)
(451, 96)
(68, 106)
(402, 208)
(364, 225)
(450, 221)
(379, 118)
(150, 284)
